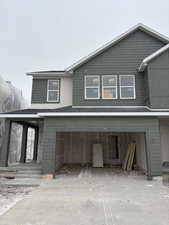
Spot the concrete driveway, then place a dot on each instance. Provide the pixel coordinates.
(93, 197)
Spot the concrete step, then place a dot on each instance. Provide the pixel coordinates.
(31, 176)
(24, 168)
(8, 174)
(7, 169)
(24, 182)
(29, 172)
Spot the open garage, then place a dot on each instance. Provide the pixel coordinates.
(101, 149)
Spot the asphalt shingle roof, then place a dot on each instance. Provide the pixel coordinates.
(70, 109)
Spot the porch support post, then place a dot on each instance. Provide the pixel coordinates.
(153, 153)
(49, 147)
(35, 150)
(148, 157)
(24, 144)
(6, 144)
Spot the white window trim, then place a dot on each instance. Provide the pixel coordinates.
(125, 75)
(98, 87)
(48, 90)
(104, 87)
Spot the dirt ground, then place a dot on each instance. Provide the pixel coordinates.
(92, 196)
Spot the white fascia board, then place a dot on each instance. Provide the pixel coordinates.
(120, 107)
(48, 74)
(18, 116)
(152, 56)
(114, 41)
(157, 110)
(79, 114)
(109, 107)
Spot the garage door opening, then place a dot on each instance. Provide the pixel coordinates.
(100, 149)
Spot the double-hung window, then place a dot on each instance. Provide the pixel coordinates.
(109, 87)
(127, 87)
(53, 90)
(92, 87)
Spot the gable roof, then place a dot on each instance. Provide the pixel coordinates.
(116, 40)
(151, 57)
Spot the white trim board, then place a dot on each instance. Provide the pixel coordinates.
(119, 107)
(90, 87)
(53, 90)
(47, 73)
(86, 114)
(133, 86)
(19, 115)
(104, 114)
(108, 106)
(109, 87)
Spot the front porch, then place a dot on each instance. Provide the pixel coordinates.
(28, 145)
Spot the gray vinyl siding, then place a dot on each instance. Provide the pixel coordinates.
(158, 79)
(123, 58)
(39, 91)
(146, 85)
(52, 158)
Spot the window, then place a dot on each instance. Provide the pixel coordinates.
(127, 87)
(92, 87)
(53, 90)
(109, 87)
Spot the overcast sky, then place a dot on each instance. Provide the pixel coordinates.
(52, 34)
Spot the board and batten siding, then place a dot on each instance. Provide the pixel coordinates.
(122, 58)
(150, 126)
(39, 93)
(158, 79)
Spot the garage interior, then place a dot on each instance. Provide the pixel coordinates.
(99, 149)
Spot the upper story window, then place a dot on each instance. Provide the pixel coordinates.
(53, 90)
(109, 87)
(92, 87)
(127, 87)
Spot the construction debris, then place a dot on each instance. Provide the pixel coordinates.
(129, 159)
(48, 176)
(10, 195)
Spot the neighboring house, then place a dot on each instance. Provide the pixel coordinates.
(11, 99)
(117, 95)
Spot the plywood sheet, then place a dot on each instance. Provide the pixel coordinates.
(97, 155)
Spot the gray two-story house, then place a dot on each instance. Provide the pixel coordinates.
(114, 96)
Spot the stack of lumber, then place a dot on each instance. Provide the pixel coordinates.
(129, 159)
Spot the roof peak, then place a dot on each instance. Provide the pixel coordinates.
(141, 26)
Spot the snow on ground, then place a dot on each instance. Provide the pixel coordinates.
(10, 195)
